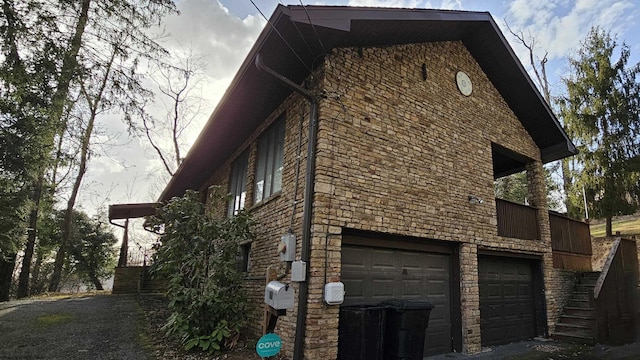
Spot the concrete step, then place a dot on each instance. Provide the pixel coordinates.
(573, 338)
(583, 288)
(583, 330)
(581, 295)
(571, 310)
(589, 278)
(579, 303)
(576, 319)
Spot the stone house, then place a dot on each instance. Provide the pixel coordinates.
(374, 136)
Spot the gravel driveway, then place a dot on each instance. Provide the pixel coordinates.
(91, 327)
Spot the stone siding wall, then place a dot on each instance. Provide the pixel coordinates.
(399, 154)
(273, 215)
(396, 154)
(126, 280)
(559, 285)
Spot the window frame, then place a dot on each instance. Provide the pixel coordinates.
(269, 162)
(243, 258)
(238, 184)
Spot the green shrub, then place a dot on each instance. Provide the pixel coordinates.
(197, 256)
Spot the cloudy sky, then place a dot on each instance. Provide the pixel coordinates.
(222, 32)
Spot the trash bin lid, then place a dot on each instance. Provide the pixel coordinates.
(363, 307)
(401, 304)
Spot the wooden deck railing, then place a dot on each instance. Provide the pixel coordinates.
(615, 293)
(570, 239)
(570, 242)
(517, 221)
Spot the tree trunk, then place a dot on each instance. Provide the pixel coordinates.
(69, 66)
(6, 273)
(37, 284)
(82, 169)
(566, 187)
(96, 282)
(25, 271)
(609, 229)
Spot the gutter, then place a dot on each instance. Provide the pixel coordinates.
(303, 293)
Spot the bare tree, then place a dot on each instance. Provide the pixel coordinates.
(539, 67)
(178, 85)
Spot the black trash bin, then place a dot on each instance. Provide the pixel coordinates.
(406, 326)
(361, 332)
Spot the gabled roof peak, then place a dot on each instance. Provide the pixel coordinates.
(285, 46)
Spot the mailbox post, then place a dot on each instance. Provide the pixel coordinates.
(279, 297)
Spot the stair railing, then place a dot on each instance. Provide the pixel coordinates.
(614, 294)
(606, 268)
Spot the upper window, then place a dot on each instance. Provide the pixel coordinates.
(238, 184)
(269, 161)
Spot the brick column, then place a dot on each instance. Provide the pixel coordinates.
(537, 189)
(470, 298)
(538, 198)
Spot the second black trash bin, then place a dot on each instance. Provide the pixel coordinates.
(406, 325)
(361, 332)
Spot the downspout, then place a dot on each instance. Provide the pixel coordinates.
(303, 293)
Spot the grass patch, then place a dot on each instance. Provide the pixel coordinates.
(49, 320)
(626, 227)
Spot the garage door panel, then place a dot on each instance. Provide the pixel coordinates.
(381, 289)
(355, 287)
(437, 289)
(437, 340)
(382, 260)
(407, 275)
(507, 309)
(411, 288)
(353, 259)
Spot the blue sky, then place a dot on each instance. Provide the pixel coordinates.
(557, 25)
(222, 32)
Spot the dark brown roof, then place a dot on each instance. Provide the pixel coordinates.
(253, 95)
(132, 211)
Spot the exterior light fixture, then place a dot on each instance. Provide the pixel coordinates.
(475, 200)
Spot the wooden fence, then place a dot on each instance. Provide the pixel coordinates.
(517, 221)
(570, 242)
(570, 239)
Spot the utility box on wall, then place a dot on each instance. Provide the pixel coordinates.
(279, 296)
(287, 247)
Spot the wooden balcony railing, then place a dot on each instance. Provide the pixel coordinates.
(570, 242)
(570, 239)
(517, 221)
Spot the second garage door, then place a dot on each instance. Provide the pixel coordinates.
(372, 274)
(507, 300)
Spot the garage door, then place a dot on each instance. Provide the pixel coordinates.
(507, 308)
(371, 275)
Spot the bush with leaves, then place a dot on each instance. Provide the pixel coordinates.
(197, 255)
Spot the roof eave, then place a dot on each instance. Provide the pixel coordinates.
(340, 20)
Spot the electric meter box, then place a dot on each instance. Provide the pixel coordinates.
(287, 247)
(279, 296)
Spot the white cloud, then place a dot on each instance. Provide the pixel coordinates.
(207, 27)
(451, 4)
(224, 39)
(132, 172)
(558, 26)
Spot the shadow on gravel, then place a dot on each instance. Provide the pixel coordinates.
(87, 327)
(550, 350)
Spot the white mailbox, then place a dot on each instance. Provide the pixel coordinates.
(279, 296)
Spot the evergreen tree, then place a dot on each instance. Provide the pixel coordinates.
(601, 113)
